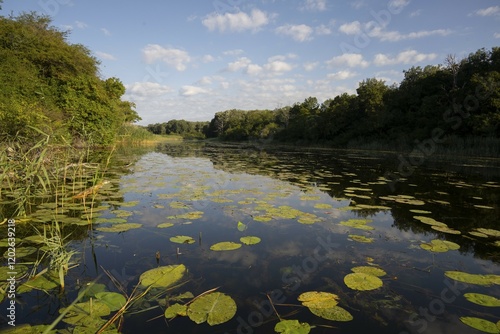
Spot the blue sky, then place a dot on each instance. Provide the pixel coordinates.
(188, 59)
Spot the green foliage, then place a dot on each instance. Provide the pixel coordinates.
(462, 98)
(54, 85)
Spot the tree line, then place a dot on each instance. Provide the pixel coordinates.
(54, 87)
(460, 98)
(187, 129)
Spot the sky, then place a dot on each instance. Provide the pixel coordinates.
(188, 59)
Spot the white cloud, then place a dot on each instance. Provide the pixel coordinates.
(496, 35)
(323, 30)
(81, 25)
(106, 32)
(278, 67)
(236, 21)
(358, 4)
(405, 57)
(348, 59)
(395, 36)
(235, 52)
(146, 90)
(314, 5)
(396, 6)
(299, 32)
(173, 57)
(205, 81)
(208, 59)
(341, 75)
(352, 28)
(310, 66)
(490, 11)
(254, 69)
(239, 64)
(104, 55)
(416, 13)
(192, 90)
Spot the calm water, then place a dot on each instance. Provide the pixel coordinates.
(297, 203)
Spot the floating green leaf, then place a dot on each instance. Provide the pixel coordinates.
(440, 246)
(477, 279)
(18, 271)
(481, 324)
(214, 308)
(44, 282)
(370, 270)
(489, 231)
(86, 314)
(358, 223)
(250, 240)
(113, 300)
(225, 246)
(241, 227)
(445, 229)
(292, 327)
(182, 239)
(335, 313)
(363, 282)
(176, 310)
(361, 238)
(323, 206)
(165, 225)
(429, 221)
(316, 299)
(119, 227)
(162, 277)
(483, 300)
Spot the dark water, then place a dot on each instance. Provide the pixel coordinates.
(310, 252)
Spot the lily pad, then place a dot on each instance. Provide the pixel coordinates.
(480, 324)
(322, 206)
(113, 300)
(250, 240)
(86, 314)
(162, 277)
(429, 221)
(119, 227)
(362, 281)
(358, 223)
(316, 299)
(182, 239)
(370, 270)
(214, 308)
(335, 313)
(489, 231)
(361, 238)
(445, 229)
(225, 246)
(176, 310)
(165, 225)
(439, 246)
(292, 327)
(241, 227)
(477, 279)
(483, 300)
(44, 282)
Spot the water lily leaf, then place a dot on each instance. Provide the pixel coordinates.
(39, 283)
(489, 231)
(176, 310)
(292, 327)
(250, 240)
(370, 270)
(225, 245)
(162, 277)
(445, 229)
(92, 289)
(335, 313)
(362, 281)
(483, 300)
(358, 223)
(478, 234)
(114, 300)
(440, 246)
(21, 252)
(182, 239)
(178, 205)
(315, 299)
(189, 215)
(241, 227)
(165, 225)
(429, 221)
(323, 206)
(262, 218)
(480, 324)
(86, 314)
(119, 227)
(361, 238)
(477, 279)
(214, 308)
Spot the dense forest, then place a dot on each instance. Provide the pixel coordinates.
(457, 100)
(187, 129)
(54, 87)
